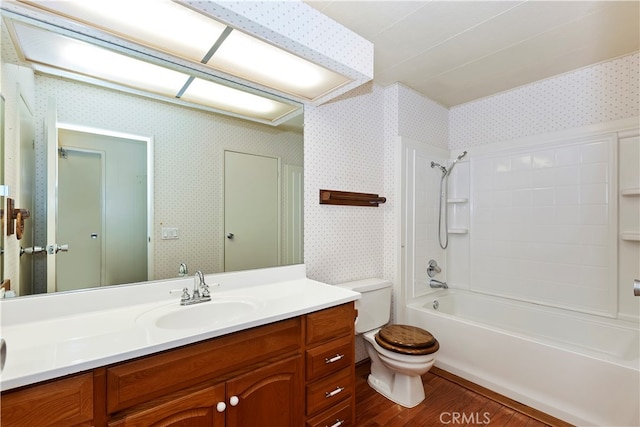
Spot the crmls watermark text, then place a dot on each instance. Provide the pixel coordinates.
(464, 418)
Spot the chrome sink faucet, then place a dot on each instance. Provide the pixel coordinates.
(200, 291)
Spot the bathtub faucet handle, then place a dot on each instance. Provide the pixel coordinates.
(433, 268)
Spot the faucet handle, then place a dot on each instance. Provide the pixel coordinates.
(204, 290)
(185, 294)
(433, 268)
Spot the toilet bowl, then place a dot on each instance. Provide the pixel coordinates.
(399, 354)
(397, 376)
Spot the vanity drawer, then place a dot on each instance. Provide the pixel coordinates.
(330, 323)
(153, 376)
(328, 391)
(64, 402)
(329, 357)
(340, 415)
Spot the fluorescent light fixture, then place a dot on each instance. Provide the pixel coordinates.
(252, 59)
(162, 25)
(178, 30)
(223, 97)
(47, 48)
(63, 53)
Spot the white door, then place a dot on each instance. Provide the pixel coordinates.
(80, 218)
(251, 211)
(293, 214)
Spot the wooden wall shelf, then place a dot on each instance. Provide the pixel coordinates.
(332, 197)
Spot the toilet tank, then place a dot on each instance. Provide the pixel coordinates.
(374, 307)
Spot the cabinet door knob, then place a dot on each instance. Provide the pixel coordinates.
(338, 423)
(221, 406)
(233, 401)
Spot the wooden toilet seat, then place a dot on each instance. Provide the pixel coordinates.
(405, 339)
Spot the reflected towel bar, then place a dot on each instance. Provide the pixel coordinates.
(332, 197)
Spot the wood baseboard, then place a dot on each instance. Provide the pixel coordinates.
(501, 399)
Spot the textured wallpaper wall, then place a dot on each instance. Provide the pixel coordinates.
(343, 150)
(597, 94)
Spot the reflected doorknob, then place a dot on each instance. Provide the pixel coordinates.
(55, 248)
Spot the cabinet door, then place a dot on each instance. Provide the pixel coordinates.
(193, 408)
(269, 396)
(65, 402)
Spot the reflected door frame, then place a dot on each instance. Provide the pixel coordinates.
(52, 183)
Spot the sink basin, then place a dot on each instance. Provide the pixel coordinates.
(198, 316)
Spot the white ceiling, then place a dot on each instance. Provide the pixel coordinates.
(457, 51)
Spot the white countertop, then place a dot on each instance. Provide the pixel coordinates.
(56, 335)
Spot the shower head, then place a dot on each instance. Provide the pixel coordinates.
(448, 171)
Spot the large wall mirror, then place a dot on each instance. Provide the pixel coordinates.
(143, 185)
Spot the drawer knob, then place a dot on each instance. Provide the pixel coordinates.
(233, 401)
(221, 406)
(335, 358)
(329, 394)
(338, 423)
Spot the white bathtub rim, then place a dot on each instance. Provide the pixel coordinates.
(633, 363)
(622, 320)
(520, 391)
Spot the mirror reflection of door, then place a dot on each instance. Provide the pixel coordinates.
(25, 199)
(101, 210)
(251, 185)
(80, 218)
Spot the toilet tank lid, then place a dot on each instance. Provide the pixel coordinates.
(366, 285)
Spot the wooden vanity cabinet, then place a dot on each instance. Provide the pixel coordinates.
(281, 374)
(266, 396)
(330, 367)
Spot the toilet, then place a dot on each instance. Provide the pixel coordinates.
(399, 354)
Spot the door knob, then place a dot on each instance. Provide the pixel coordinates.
(233, 401)
(229, 236)
(55, 248)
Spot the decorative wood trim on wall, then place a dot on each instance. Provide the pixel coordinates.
(332, 197)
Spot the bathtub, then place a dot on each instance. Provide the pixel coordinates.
(580, 368)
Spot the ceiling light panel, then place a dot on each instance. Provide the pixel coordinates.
(178, 30)
(252, 59)
(159, 24)
(44, 47)
(221, 97)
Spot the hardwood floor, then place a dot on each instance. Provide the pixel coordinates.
(450, 401)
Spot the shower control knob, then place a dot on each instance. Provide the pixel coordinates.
(433, 268)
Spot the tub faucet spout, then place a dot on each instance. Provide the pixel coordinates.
(438, 284)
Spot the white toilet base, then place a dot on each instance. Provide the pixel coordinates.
(396, 376)
(407, 391)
